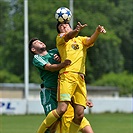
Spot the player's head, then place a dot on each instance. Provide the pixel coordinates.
(63, 27)
(31, 44)
(36, 46)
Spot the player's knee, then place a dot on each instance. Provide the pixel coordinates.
(62, 108)
(80, 116)
(62, 111)
(77, 119)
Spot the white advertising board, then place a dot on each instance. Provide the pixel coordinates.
(123, 105)
(12, 106)
(33, 106)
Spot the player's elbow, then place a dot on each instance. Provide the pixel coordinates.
(48, 67)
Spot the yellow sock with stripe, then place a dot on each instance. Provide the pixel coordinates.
(48, 121)
(74, 128)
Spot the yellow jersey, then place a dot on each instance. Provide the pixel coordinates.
(74, 50)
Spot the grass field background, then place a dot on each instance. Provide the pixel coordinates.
(101, 123)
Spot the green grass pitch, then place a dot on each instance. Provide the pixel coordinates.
(101, 123)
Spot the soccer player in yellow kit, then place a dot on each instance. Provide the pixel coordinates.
(71, 85)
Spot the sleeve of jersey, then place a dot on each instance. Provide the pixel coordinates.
(84, 42)
(60, 39)
(39, 62)
(55, 51)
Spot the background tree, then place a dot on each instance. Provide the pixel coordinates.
(4, 24)
(112, 52)
(12, 44)
(122, 20)
(105, 56)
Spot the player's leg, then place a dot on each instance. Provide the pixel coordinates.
(66, 119)
(64, 93)
(78, 116)
(48, 121)
(48, 100)
(55, 127)
(52, 117)
(49, 103)
(57, 113)
(85, 126)
(79, 103)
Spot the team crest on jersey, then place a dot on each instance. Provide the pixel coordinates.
(75, 46)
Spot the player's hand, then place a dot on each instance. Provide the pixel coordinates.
(80, 26)
(89, 104)
(67, 62)
(57, 58)
(101, 29)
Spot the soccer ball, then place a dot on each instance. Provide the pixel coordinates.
(63, 14)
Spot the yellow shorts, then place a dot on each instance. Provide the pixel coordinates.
(72, 86)
(63, 126)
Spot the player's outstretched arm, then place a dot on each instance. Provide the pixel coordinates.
(74, 33)
(92, 39)
(80, 26)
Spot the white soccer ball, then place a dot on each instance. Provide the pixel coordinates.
(63, 14)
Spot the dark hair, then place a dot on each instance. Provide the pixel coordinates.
(30, 44)
(57, 27)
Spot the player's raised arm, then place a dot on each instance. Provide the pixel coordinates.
(92, 39)
(73, 33)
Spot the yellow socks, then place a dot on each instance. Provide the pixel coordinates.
(48, 121)
(73, 127)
